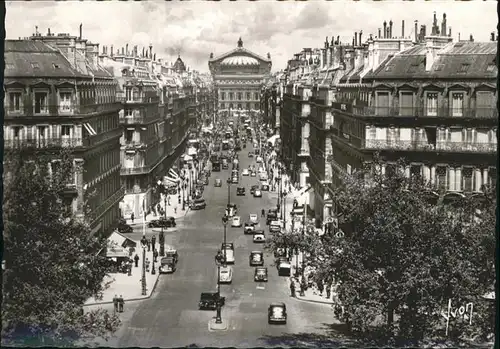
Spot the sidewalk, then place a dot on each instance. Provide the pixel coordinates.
(130, 287)
(174, 210)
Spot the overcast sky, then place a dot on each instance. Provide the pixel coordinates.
(196, 28)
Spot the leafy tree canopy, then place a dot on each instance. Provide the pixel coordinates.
(51, 258)
(403, 255)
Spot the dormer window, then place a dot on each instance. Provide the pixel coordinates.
(41, 102)
(439, 67)
(15, 101)
(490, 67)
(56, 66)
(35, 65)
(65, 101)
(464, 68)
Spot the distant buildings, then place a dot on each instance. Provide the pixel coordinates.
(424, 98)
(239, 75)
(125, 114)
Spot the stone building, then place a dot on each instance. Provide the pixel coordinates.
(58, 96)
(239, 75)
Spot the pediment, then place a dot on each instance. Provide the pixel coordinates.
(383, 86)
(40, 83)
(459, 86)
(65, 84)
(239, 51)
(14, 84)
(433, 86)
(485, 87)
(407, 86)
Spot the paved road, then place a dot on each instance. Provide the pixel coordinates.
(171, 317)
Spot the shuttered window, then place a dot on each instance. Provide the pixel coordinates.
(406, 104)
(484, 104)
(382, 103)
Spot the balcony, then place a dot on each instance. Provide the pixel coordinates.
(127, 171)
(102, 137)
(52, 110)
(135, 191)
(138, 117)
(43, 143)
(306, 110)
(426, 146)
(441, 112)
(139, 100)
(101, 209)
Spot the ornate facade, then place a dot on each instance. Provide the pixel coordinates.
(239, 75)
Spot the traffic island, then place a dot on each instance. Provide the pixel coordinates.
(213, 326)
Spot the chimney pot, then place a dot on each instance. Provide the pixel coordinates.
(385, 29)
(449, 32)
(81, 30)
(360, 35)
(403, 28)
(126, 49)
(390, 29)
(48, 31)
(471, 38)
(379, 33)
(492, 36)
(416, 31)
(355, 39)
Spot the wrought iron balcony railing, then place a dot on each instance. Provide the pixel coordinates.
(426, 146)
(443, 112)
(61, 109)
(116, 196)
(134, 170)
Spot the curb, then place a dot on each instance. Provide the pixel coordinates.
(127, 300)
(303, 299)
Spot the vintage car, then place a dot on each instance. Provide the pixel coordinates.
(225, 166)
(253, 174)
(253, 188)
(123, 227)
(260, 274)
(208, 300)
(272, 215)
(162, 222)
(277, 313)
(236, 222)
(253, 218)
(218, 182)
(256, 258)
(240, 191)
(235, 180)
(172, 253)
(284, 268)
(198, 204)
(249, 228)
(250, 154)
(245, 172)
(259, 237)
(225, 275)
(228, 251)
(257, 193)
(264, 187)
(167, 265)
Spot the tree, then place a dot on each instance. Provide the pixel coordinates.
(52, 261)
(403, 256)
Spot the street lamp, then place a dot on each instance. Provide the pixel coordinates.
(143, 279)
(219, 259)
(228, 192)
(224, 221)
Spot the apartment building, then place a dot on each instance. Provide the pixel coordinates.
(58, 96)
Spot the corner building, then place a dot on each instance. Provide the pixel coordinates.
(238, 76)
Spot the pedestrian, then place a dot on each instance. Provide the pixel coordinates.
(115, 303)
(320, 287)
(147, 264)
(158, 207)
(132, 217)
(263, 213)
(292, 288)
(155, 255)
(328, 291)
(153, 241)
(136, 260)
(175, 209)
(121, 302)
(149, 245)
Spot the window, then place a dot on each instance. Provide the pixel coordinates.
(223, 96)
(128, 113)
(231, 96)
(415, 171)
(129, 135)
(441, 176)
(239, 105)
(240, 96)
(14, 101)
(457, 103)
(66, 130)
(128, 94)
(485, 103)
(382, 103)
(41, 102)
(406, 104)
(35, 65)
(467, 179)
(431, 104)
(256, 96)
(490, 68)
(16, 130)
(248, 96)
(464, 68)
(248, 105)
(469, 136)
(65, 101)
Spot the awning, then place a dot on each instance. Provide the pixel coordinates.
(192, 151)
(173, 174)
(187, 158)
(89, 129)
(169, 180)
(273, 139)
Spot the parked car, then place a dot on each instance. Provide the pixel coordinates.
(218, 182)
(240, 191)
(256, 258)
(198, 204)
(253, 174)
(235, 180)
(264, 187)
(250, 154)
(253, 188)
(167, 265)
(236, 222)
(228, 250)
(209, 300)
(225, 166)
(123, 227)
(162, 222)
(172, 253)
(276, 313)
(257, 193)
(245, 172)
(260, 274)
(259, 238)
(249, 228)
(253, 218)
(225, 275)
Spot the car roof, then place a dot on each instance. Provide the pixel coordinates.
(256, 252)
(261, 268)
(277, 304)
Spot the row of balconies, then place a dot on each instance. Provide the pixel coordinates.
(111, 200)
(60, 142)
(443, 111)
(61, 109)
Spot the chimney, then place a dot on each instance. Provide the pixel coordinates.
(126, 49)
(360, 33)
(390, 29)
(458, 37)
(143, 52)
(355, 39)
(338, 39)
(416, 31)
(424, 31)
(471, 38)
(111, 51)
(434, 25)
(492, 36)
(150, 50)
(403, 28)
(379, 33)
(385, 29)
(443, 25)
(48, 31)
(388, 36)
(449, 33)
(81, 27)
(154, 57)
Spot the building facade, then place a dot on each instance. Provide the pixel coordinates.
(58, 96)
(239, 75)
(420, 98)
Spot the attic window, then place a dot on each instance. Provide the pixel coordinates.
(35, 65)
(56, 66)
(439, 67)
(464, 68)
(490, 67)
(389, 67)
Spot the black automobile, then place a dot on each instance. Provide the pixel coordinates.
(256, 258)
(240, 191)
(208, 300)
(250, 154)
(225, 166)
(271, 216)
(264, 187)
(123, 227)
(162, 222)
(198, 204)
(276, 313)
(260, 274)
(253, 188)
(167, 265)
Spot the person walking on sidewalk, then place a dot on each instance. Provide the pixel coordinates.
(153, 242)
(115, 303)
(121, 302)
(320, 287)
(263, 213)
(149, 245)
(155, 255)
(292, 288)
(136, 260)
(132, 217)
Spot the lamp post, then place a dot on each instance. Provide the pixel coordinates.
(162, 236)
(228, 192)
(224, 221)
(219, 258)
(143, 279)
